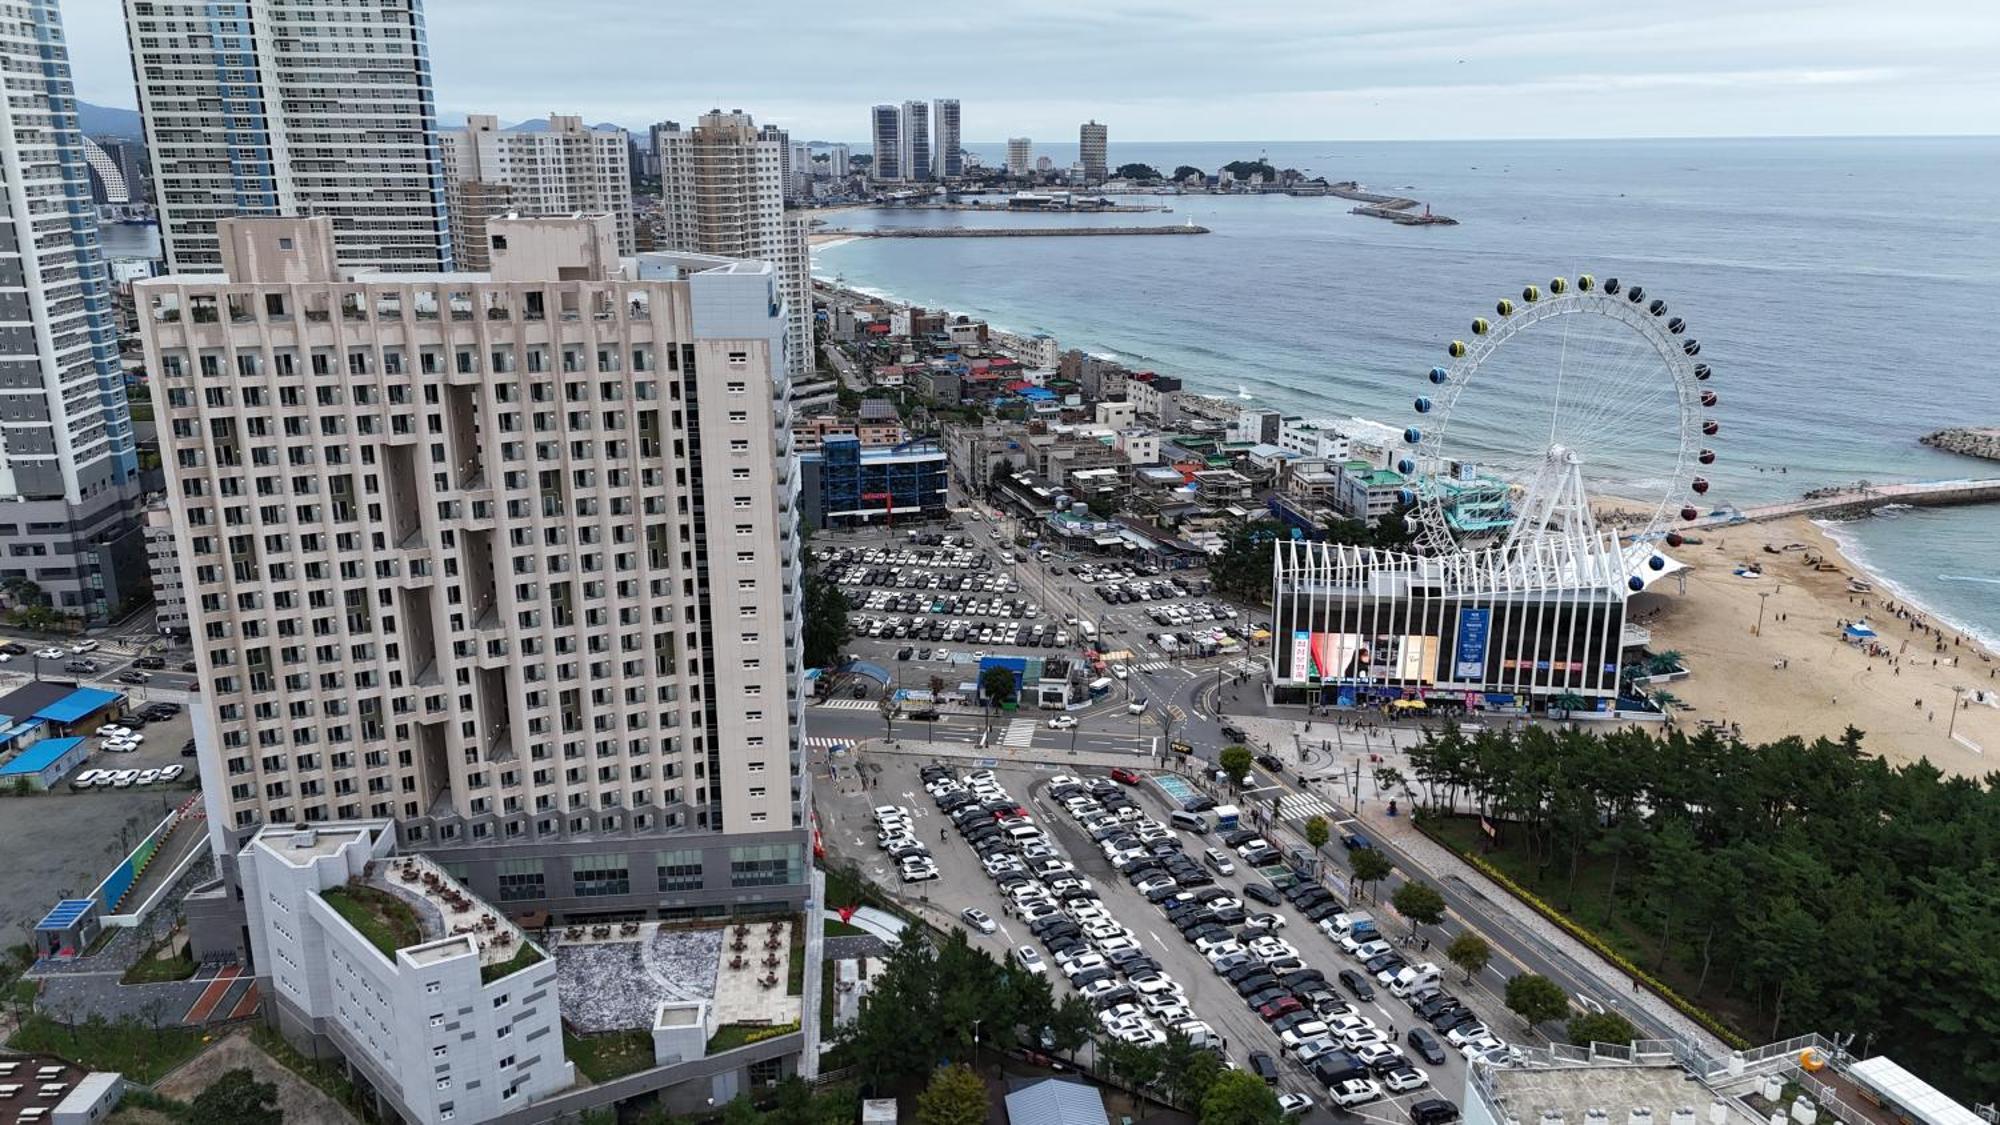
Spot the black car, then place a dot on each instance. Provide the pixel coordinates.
(1160, 894)
(1092, 976)
(1441, 1002)
(1286, 1023)
(1200, 803)
(1449, 1018)
(1270, 762)
(1324, 911)
(1234, 734)
(1229, 915)
(1243, 972)
(151, 662)
(1262, 892)
(1433, 1111)
(1264, 1066)
(1239, 837)
(190, 666)
(1123, 994)
(1426, 1046)
(1303, 978)
(1379, 965)
(1357, 984)
(1256, 982)
(1263, 996)
(1336, 1067)
(187, 748)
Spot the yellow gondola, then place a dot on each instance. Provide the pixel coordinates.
(1457, 349)
(1479, 326)
(1531, 294)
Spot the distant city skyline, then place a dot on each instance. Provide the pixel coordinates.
(1446, 69)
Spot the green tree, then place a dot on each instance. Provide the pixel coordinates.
(1243, 568)
(827, 628)
(1184, 171)
(740, 1110)
(997, 685)
(1420, 902)
(1237, 1097)
(1601, 1027)
(1317, 832)
(1244, 169)
(1470, 952)
(1144, 172)
(1071, 1025)
(1235, 761)
(955, 1096)
(237, 1098)
(1536, 999)
(1138, 1064)
(1370, 866)
(1103, 507)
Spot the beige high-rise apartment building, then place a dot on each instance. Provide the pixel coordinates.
(1093, 148)
(292, 107)
(562, 169)
(1020, 156)
(722, 183)
(508, 557)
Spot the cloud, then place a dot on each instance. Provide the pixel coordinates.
(1182, 69)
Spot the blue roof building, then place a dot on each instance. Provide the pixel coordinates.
(844, 485)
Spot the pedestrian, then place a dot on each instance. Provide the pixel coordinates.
(1635, 984)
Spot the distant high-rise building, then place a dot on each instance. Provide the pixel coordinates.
(559, 170)
(69, 469)
(798, 178)
(722, 186)
(107, 180)
(1020, 154)
(1093, 142)
(1044, 164)
(839, 161)
(783, 140)
(130, 157)
(292, 107)
(950, 162)
(916, 141)
(886, 125)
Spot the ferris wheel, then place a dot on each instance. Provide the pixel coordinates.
(1568, 384)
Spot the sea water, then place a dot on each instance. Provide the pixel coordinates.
(1841, 289)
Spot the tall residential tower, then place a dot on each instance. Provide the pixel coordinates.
(916, 142)
(292, 107)
(69, 471)
(510, 558)
(1020, 156)
(1093, 143)
(559, 170)
(722, 183)
(950, 160)
(885, 125)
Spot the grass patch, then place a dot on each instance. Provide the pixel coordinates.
(795, 974)
(25, 991)
(153, 969)
(730, 1036)
(523, 957)
(610, 1054)
(837, 928)
(323, 1075)
(132, 1048)
(381, 917)
(826, 1013)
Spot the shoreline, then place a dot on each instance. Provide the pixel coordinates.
(1798, 677)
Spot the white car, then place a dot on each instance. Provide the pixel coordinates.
(119, 745)
(1255, 843)
(1117, 945)
(1062, 722)
(1368, 951)
(919, 870)
(1294, 1105)
(147, 777)
(1119, 671)
(172, 772)
(1311, 1049)
(978, 919)
(113, 730)
(1360, 1037)
(1208, 944)
(1404, 1079)
(1354, 1092)
(1377, 1055)
(123, 779)
(1030, 959)
(52, 653)
(1487, 1050)
(1300, 1033)
(1265, 922)
(1215, 953)
(81, 647)
(1467, 1033)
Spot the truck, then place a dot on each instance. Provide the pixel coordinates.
(1087, 631)
(1101, 687)
(1228, 818)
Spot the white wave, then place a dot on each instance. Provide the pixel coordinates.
(1842, 534)
(1969, 578)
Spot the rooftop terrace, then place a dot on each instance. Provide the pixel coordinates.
(408, 901)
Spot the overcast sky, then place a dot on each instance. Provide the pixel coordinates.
(1208, 70)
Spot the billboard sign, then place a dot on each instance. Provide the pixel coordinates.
(1469, 663)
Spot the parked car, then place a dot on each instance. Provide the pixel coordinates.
(151, 662)
(1264, 1066)
(978, 919)
(1426, 1046)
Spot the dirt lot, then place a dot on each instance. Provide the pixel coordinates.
(300, 1100)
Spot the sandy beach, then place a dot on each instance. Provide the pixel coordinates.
(1798, 676)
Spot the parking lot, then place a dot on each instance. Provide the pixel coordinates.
(1135, 915)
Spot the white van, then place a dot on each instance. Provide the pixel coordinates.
(1414, 977)
(1136, 707)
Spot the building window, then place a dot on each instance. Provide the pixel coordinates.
(680, 870)
(598, 875)
(521, 879)
(766, 865)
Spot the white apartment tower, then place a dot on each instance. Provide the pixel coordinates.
(560, 170)
(508, 557)
(1020, 156)
(950, 160)
(1093, 145)
(916, 142)
(722, 184)
(69, 471)
(885, 129)
(292, 107)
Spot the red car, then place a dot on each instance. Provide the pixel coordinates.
(1123, 776)
(1282, 1006)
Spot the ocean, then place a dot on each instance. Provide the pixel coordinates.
(1839, 288)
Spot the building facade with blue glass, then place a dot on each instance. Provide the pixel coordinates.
(69, 471)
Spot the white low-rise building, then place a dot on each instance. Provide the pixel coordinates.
(445, 1008)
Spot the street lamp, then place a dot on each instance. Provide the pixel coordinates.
(1759, 630)
(1951, 724)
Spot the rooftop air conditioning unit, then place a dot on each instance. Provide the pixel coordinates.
(1640, 1115)
(1683, 1115)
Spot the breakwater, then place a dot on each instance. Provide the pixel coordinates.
(1969, 441)
(1395, 208)
(1010, 232)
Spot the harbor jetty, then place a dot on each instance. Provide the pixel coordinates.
(1858, 499)
(1969, 441)
(1053, 207)
(1010, 232)
(1395, 208)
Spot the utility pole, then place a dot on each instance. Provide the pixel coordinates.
(1759, 630)
(1951, 725)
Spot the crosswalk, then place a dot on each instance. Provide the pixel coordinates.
(1155, 666)
(821, 742)
(1304, 806)
(1020, 734)
(849, 705)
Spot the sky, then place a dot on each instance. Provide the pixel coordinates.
(1161, 70)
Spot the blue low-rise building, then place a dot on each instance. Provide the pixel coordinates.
(843, 485)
